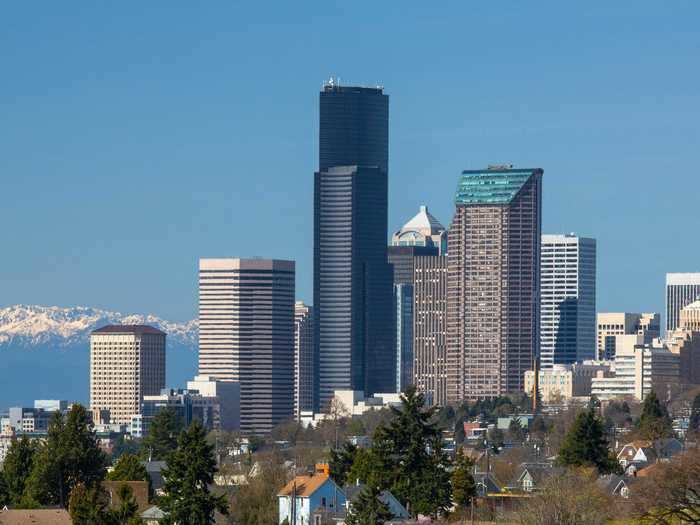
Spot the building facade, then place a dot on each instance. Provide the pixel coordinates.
(246, 335)
(227, 395)
(689, 317)
(303, 358)
(430, 328)
(353, 320)
(681, 290)
(127, 362)
(611, 324)
(567, 305)
(561, 383)
(493, 282)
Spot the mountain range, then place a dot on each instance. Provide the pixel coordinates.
(45, 351)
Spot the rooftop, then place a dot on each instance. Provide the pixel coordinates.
(128, 329)
(304, 486)
(492, 186)
(424, 222)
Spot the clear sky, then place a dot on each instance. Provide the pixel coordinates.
(137, 137)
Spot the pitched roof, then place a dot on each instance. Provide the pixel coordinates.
(35, 517)
(305, 485)
(128, 329)
(424, 222)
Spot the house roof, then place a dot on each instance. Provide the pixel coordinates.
(538, 471)
(386, 497)
(153, 512)
(304, 486)
(610, 483)
(35, 517)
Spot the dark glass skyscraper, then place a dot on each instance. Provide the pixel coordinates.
(352, 278)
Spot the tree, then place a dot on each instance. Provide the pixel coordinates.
(368, 509)
(127, 513)
(69, 457)
(4, 494)
(571, 497)
(341, 462)
(189, 472)
(694, 423)
(126, 445)
(654, 422)
(129, 468)
(17, 466)
(463, 486)
(516, 432)
(162, 435)
(256, 502)
(88, 506)
(586, 445)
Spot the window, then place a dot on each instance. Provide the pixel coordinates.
(323, 502)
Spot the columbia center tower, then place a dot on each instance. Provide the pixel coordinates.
(353, 334)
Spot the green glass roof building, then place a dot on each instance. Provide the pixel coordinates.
(498, 185)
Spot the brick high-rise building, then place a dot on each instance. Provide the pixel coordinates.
(493, 282)
(127, 362)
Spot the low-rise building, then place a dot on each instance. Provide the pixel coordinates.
(612, 324)
(562, 383)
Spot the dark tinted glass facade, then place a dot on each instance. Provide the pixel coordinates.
(353, 329)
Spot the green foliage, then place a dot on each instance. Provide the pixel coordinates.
(255, 443)
(495, 439)
(586, 445)
(406, 458)
(162, 435)
(88, 506)
(128, 468)
(189, 472)
(516, 432)
(4, 494)
(126, 445)
(341, 462)
(70, 456)
(694, 423)
(463, 486)
(368, 509)
(16, 468)
(127, 513)
(654, 422)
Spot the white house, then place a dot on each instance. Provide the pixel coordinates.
(307, 494)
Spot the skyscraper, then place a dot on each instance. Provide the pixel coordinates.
(127, 362)
(567, 305)
(493, 282)
(352, 279)
(681, 290)
(246, 334)
(423, 235)
(303, 358)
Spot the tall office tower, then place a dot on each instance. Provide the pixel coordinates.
(681, 290)
(246, 334)
(567, 300)
(127, 362)
(423, 235)
(353, 335)
(612, 324)
(430, 327)
(493, 282)
(303, 358)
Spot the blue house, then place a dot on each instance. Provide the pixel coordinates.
(307, 495)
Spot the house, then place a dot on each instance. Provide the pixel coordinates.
(154, 469)
(485, 484)
(35, 517)
(153, 515)
(139, 490)
(531, 476)
(307, 495)
(397, 510)
(636, 455)
(614, 485)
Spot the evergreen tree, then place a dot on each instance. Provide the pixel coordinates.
(189, 472)
(16, 468)
(516, 432)
(70, 456)
(88, 506)
(162, 435)
(586, 445)
(654, 423)
(368, 509)
(127, 512)
(129, 468)
(694, 423)
(341, 462)
(4, 494)
(463, 486)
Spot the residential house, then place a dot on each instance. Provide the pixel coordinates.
(308, 494)
(153, 516)
(397, 510)
(531, 476)
(614, 485)
(486, 484)
(636, 455)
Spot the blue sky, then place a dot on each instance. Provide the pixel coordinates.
(138, 137)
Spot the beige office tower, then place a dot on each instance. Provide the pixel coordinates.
(690, 317)
(127, 362)
(430, 327)
(611, 324)
(303, 358)
(493, 282)
(246, 334)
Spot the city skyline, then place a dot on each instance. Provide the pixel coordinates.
(162, 130)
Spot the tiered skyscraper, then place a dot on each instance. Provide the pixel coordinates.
(681, 290)
(493, 282)
(568, 322)
(246, 334)
(352, 278)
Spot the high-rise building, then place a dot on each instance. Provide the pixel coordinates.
(303, 358)
(612, 324)
(689, 318)
(567, 300)
(430, 327)
(423, 235)
(246, 334)
(493, 282)
(681, 290)
(353, 335)
(127, 362)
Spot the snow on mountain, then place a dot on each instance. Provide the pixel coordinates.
(34, 326)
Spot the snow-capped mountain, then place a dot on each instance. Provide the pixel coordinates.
(45, 351)
(31, 326)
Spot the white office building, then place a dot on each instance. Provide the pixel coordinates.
(568, 300)
(681, 290)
